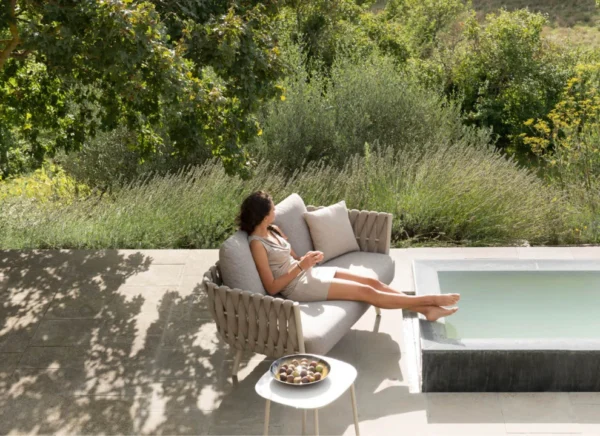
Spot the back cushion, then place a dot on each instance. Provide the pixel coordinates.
(237, 265)
(289, 216)
(331, 230)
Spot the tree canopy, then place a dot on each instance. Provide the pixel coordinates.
(191, 72)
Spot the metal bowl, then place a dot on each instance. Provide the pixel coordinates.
(286, 360)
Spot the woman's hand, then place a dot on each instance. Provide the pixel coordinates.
(310, 259)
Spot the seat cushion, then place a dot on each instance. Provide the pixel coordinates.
(331, 231)
(237, 264)
(376, 265)
(324, 323)
(289, 217)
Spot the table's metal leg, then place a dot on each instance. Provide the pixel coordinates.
(354, 410)
(304, 421)
(267, 413)
(316, 422)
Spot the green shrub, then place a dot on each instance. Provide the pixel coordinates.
(424, 22)
(192, 208)
(326, 30)
(569, 145)
(48, 183)
(332, 118)
(454, 194)
(508, 73)
(459, 194)
(106, 161)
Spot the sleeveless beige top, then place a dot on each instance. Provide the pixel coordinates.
(280, 259)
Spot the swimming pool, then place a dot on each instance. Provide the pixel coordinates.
(523, 325)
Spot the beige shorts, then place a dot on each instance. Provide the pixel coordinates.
(313, 285)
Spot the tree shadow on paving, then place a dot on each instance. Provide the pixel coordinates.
(81, 351)
(378, 395)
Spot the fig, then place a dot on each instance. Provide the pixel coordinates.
(304, 373)
(289, 371)
(282, 377)
(314, 363)
(295, 362)
(319, 368)
(317, 376)
(305, 380)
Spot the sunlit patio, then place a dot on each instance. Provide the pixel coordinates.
(122, 342)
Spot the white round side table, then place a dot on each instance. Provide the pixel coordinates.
(340, 378)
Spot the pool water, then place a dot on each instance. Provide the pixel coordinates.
(523, 304)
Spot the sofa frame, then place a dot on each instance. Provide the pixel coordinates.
(250, 321)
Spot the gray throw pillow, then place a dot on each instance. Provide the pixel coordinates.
(237, 264)
(331, 231)
(288, 217)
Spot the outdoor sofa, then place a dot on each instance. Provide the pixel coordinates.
(249, 319)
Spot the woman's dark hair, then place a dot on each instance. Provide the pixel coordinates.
(254, 209)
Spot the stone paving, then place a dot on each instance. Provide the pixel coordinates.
(121, 342)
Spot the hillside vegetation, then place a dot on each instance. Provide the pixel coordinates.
(145, 123)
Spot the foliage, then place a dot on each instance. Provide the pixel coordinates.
(106, 161)
(507, 73)
(424, 21)
(569, 143)
(331, 118)
(327, 29)
(47, 184)
(452, 194)
(71, 68)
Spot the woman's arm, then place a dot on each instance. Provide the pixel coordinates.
(272, 285)
(292, 252)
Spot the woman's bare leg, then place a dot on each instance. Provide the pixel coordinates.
(445, 300)
(341, 289)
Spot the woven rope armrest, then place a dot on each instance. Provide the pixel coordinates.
(373, 230)
(254, 322)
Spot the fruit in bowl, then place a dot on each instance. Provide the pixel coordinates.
(300, 369)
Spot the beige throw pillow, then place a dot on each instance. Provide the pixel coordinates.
(331, 231)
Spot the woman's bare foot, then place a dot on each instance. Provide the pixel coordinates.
(433, 313)
(447, 299)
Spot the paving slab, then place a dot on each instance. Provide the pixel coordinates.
(8, 365)
(158, 257)
(588, 417)
(545, 253)
(157, 275)
(585, 398)
(30, 413)
(65, 332)
(122, 342)
(585, 252)
(464, 413)
(200, 261)
(529, 412)
(52, 357)
(490, 252)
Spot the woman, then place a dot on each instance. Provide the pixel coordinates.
(281, 270)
